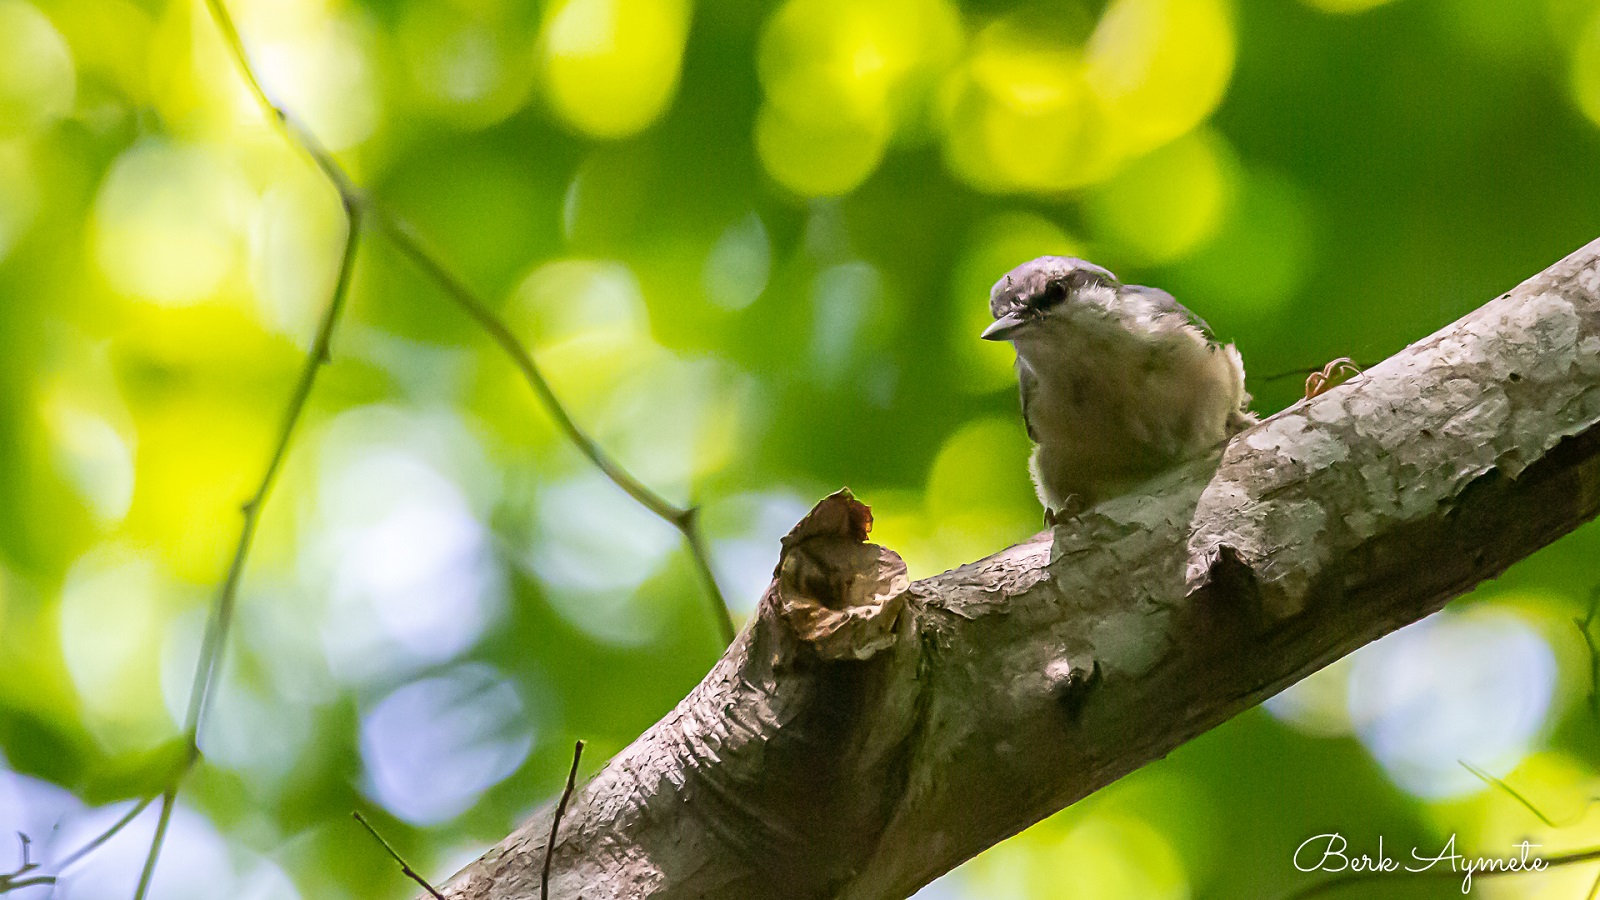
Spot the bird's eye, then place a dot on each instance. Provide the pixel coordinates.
(1054, 292)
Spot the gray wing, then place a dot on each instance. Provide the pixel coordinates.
(1027, 384)
(1169, 304)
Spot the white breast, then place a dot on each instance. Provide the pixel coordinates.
(1111, 408)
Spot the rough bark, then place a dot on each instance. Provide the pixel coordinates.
(862, 737)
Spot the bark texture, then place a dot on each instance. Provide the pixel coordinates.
(863, 736)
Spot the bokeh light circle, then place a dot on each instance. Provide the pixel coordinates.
(1269, 233)
(819, 156)
(1160, 67)
(432, 747)
(398, 544)
(1422, 699)
(611, 66)
(115, 607)
(38, 81)
(841, 79)
(1586, 69)
(1162, 206)
(467, 60)
(739, 264)
(1019, 116)
(594, 548)
(1108, 856)
(870, 61)
(168, 222)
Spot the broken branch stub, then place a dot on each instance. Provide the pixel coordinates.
(836, 592)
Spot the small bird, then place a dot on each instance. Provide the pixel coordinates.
(1119, 382)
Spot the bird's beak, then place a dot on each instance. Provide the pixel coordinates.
(1003, 327)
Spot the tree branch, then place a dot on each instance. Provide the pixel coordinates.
(555, 819)
(215, 640)
(405, 867)
(860, 737)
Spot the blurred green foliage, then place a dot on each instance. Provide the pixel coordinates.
(751, 244)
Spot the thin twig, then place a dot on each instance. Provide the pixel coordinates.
(410, 244)
(555, 822)
(27, 865)
(690, 526)
(683, 518)
(1527, 804)
(1585, 630)
(14, 880)
(211, 647)
(356, 205)
(168, 800)
(404, 866)
(95, 842)
(221, 619)
(10, 882)
(1343, 881)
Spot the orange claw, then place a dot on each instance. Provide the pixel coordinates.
(1332, 375)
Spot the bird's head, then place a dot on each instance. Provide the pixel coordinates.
(1044, 290)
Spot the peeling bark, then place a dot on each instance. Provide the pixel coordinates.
(862, 737)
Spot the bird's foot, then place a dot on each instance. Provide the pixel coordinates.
(1071, 507)
(1331, 376)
